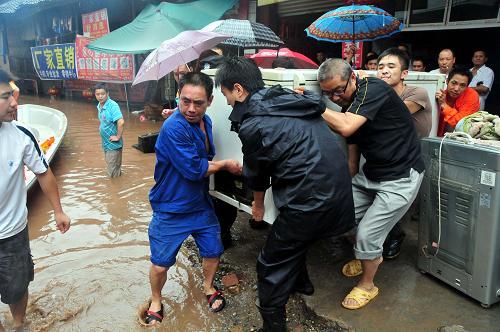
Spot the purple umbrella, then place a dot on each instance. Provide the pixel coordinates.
(172, 53)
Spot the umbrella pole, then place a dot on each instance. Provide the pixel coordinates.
(126, 97)
(354, 42)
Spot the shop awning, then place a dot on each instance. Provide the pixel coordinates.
(29, 6)
(268, 2)
(12, 6)
(157, 23)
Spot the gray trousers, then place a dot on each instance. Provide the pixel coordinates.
(114, 162)
(378, 207)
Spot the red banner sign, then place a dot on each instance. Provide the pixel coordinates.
(358, 47)
(106, 67)
(95, 24)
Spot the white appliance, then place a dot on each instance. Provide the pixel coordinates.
(228, 146)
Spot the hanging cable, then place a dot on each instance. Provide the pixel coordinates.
(459, 136)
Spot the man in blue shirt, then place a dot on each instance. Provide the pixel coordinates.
(180, 199)
(111, 129)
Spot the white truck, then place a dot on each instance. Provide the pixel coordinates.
(231, 189)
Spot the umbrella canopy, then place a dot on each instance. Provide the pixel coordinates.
(174, 52)
(354, 23)
(264, 58)
(157, 23)
(245, 33)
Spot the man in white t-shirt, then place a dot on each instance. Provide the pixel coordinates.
(18, 147)
(446, 61)
(482, 76)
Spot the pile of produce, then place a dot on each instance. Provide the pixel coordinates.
(481, 125)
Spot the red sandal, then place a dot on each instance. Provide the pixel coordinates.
(152, 316)
(214, 297)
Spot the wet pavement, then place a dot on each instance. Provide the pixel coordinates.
(408, 300)
(95, 276)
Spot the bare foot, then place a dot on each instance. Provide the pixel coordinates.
(19, 328)
(154, 307)
(217, 303)
(359, 297)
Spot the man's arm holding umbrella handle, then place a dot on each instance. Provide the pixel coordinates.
(166, 112)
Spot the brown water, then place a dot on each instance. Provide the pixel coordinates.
(95, 276)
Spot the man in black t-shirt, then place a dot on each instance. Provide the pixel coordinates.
(377, 125)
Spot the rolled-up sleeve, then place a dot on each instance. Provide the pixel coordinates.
(183, 153)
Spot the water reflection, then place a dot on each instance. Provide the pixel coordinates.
(95, 276)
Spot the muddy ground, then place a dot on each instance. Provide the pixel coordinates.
(241, 312)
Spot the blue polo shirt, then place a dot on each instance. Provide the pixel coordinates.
(108, 114)
(181, 165)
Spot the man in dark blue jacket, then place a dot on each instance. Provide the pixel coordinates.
(287, 144)
(180, 199)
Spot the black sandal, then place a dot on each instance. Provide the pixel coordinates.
(152, 316)
(214, 297)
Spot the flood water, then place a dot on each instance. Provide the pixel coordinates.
(94, 277)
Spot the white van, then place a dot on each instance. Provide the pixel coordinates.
(231, 189)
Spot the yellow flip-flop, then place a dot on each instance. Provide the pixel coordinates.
(361, 296)
(354, 268)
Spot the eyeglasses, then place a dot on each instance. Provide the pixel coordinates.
(7, 95)
(336, 93)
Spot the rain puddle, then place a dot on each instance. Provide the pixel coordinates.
(95, 277)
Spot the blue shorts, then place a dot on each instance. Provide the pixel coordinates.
(167, 232)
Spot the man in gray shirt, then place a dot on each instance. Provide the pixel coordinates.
(392, 68)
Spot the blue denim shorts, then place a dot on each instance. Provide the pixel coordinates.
(167, 231)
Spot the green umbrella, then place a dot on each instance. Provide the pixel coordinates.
(157, 23)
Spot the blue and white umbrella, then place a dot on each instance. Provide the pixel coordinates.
(354, 23)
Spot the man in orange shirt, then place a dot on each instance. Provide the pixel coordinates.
(457, 101)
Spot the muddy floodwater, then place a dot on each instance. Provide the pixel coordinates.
(94, 277)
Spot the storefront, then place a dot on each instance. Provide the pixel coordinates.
(430, 25)
(46, 23)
